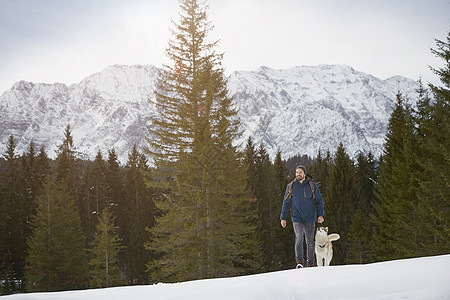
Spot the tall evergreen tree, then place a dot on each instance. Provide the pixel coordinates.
(365, 178)
(114, 181)
(11, 249)
(340, 204)
(99, 184)
(283, 255)
(204, 214)
(358, 242)
(422, 117)
(26, 186)
(137, 212)
(265, 206)
(68, 169)
(434, 148)
(250, 164)
(105, 248)
(360, 228)
(42, 167)
(320, 170)
(66, 166)
(395, 210)
(95, 197)
(56, 259)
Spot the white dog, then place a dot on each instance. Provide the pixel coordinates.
(324, 248)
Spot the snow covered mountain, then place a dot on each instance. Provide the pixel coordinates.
(298, 110)
(304, 109)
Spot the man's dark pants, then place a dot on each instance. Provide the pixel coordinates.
(307, 230)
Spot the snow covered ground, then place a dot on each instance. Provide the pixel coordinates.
(418, 278)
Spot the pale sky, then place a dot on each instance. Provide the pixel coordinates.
(67, 40)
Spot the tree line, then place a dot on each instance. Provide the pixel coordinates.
(192, 205)
(68, 223)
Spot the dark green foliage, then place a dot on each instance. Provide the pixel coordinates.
(67, 168)
(365, 179)
(20, 183)
(360, 228)
(95, 197)
(412, 208)
(359, 236)
(56, 259)
(137, 212)
(266, 183)
(320, 170)
(105, 247)
(114, 182)
(267, 213)
(340, 201)
(283, 255)
(11, 239)
(396, 200)
(293, 162)
(204, 230)
(434, 149)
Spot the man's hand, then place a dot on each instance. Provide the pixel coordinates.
(283, 223)
(320, 219)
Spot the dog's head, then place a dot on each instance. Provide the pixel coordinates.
(322, 230)
(321, 235)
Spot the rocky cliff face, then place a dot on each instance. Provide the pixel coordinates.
(304, 109)
(298, 110)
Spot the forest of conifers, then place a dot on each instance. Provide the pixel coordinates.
(192, 205)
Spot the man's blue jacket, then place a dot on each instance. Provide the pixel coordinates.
(303, 209)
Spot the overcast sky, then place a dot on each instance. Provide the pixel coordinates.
(67, 40)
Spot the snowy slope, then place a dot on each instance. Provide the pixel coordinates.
(105, 110)
(305, 108)
(297, 110)
(420, 278)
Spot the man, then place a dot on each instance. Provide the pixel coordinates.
(303, 213)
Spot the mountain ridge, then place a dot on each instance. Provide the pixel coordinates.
(297, 110)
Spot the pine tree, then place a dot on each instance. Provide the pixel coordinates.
(11, 268)
(95, 194)
(42, 168)
(320, 170)
(395, 210)
(365, 178)
(99, 184)
(191, 139)
(114, 181)
(434, 148)
(67, 169)
(360, 229)
(265, 206)
(358, 242)
(340, 204)
(250, 165)
(284, 240)
(137, 212)
(26, 185)
(56, 259)
(105, 248)
(422, 225)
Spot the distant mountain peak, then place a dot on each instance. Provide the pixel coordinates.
(297, 110)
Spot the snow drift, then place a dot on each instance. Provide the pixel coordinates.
(418, 278)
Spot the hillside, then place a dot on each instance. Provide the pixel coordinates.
(418, 278)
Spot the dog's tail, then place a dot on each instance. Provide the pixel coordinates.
(334, 237)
